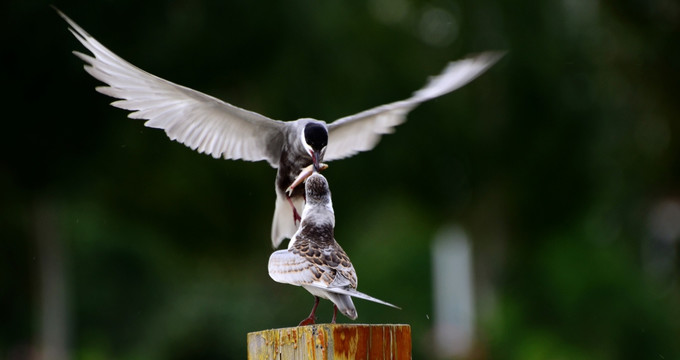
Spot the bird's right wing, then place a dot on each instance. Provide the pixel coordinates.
(197, 120)
(361, 132)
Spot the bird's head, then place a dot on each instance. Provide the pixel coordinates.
(314, 139)
(316, 189)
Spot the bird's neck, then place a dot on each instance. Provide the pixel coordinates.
(320, 231)
(318, 213)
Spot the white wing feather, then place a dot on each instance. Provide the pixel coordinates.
(288, 268)
(361, 132)
(199, 121)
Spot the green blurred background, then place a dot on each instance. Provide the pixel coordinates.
(561, 164)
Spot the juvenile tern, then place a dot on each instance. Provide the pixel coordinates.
(314, 260)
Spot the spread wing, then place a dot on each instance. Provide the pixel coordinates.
(361, 132)
(197, 120)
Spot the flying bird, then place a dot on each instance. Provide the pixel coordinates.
(214, 127)
(314, 260)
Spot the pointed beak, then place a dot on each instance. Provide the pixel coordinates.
(315, 160)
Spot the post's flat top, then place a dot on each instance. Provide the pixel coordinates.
(331, 326)
(332, 341)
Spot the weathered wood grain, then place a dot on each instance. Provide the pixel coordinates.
(332, 342)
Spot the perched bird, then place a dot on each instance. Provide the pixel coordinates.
(314, 260)
(222, 130)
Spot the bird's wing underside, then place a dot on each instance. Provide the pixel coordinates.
(361, 132)
(197, 120)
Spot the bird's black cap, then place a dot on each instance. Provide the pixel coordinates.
(316, 136)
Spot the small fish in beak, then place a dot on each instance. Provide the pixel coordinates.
(305, 173)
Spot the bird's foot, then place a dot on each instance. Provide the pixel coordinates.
(304, 174)
(307, 321)
(310, 319)
(296, 215)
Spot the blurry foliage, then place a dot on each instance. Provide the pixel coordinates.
(552, 161)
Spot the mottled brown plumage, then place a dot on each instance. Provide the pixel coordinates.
(317, 245)
(314, 260)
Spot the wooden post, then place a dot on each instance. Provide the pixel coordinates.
(332, 342)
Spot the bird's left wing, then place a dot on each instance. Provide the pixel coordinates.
(197, 120)
(361, 132)
(289, 268)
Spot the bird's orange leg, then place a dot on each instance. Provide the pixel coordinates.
(296, 216)
(310, 319)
